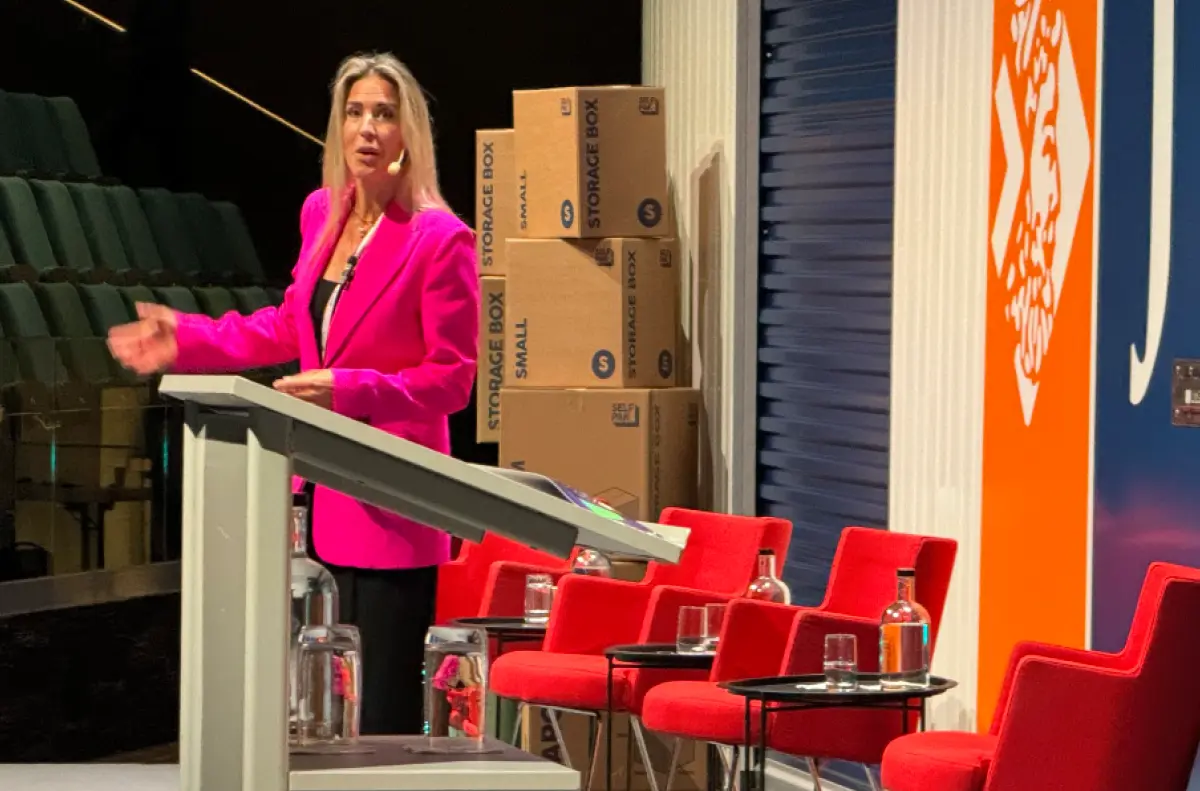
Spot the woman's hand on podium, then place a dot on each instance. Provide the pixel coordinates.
(314, 386)
(148, 345)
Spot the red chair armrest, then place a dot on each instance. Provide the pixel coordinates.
(504, 591)
(661, 624)
(754, 638)
(1047, 651)
(1063, 719)
(806, 654)
(592, 613)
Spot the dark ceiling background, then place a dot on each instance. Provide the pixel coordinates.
(156, 124)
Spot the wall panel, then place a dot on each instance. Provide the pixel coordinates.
(700, 51)
(943, 110)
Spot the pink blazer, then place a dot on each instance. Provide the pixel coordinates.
(402, 347)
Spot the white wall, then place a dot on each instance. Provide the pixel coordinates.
(943, 118)
(705, 53)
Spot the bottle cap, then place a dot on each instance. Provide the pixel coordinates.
(906, 572)
(765, 551)
(299, 499)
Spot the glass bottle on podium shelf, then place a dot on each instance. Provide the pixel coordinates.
(314, 596)
(767, 586)
(456, 670)
(904, 637)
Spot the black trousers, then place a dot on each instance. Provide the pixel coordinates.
(392, 608)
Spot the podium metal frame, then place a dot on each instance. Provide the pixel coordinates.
(242, 444)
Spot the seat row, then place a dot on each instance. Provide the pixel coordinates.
(84, 232)
(45, 136)
(53, 334)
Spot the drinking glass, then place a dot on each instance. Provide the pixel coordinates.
(328, 684)
(714, 618)
(689, 639)
(539, 596)
(841, 662)
(456, 669)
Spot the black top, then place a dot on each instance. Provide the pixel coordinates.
(659, 655)
(320, 300)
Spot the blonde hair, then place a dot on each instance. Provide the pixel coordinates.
(419, 180)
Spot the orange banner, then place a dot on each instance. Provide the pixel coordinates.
(1037, 390)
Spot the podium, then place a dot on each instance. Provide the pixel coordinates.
(243, 442)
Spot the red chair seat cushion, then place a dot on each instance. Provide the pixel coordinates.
(938, 761)
(574, 681)
(698, 710)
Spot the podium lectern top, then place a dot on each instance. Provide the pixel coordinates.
(422, 484)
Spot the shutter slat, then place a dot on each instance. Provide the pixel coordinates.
(825, 272)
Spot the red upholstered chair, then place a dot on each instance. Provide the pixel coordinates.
(762, 640)
(1075, 719)
(590, 614)
(488, 578)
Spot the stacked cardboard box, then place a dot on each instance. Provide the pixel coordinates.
(578, 355)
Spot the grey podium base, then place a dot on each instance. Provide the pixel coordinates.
(391, 766)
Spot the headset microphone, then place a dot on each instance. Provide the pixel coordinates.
(395, 167)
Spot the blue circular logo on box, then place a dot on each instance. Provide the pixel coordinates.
(604, 364)
(666, 364)
(649, 212)
(568, 214)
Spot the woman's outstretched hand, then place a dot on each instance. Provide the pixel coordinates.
(148, 345)
(315, 386)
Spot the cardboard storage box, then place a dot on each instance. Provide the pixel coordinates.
(592, 313)
(495, 197)
(489, 374)
(591, 162)
(633, 449)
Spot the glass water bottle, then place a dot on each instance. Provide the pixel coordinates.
(592, 563)
(314, 597)
(904, 638)
(767, 586)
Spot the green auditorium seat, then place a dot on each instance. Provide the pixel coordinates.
(245, 256)
(209, 239)
(251, 298)
(64, 229)
(136, 235)
(37, 350)
(105, 307)
(135, 294)
(178, 298)
(40, 134)
(10, 369)
(100, 229)
(215, 301)
(13, 156)
(31, 245)
(8, 264)
(85, 353)
(171, 232)
(81, 156)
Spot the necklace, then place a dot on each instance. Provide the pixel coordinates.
(364, 224)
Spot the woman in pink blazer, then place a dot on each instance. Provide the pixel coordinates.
(383, 316)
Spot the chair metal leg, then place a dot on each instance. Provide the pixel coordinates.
(558, 737)
(871, 778)
(641, 741)
(814, 769)
(516, 740)
(674, 762)
(731, 778)
(597, 743)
